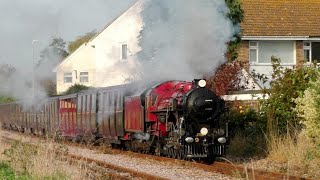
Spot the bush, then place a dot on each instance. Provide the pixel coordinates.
(308, 108)
(76, 88)
(287, 85)
(225, 79)
(246, 133)
(6, 99)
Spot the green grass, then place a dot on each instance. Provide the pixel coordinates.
(6, 173)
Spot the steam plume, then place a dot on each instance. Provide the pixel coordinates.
(183, 39)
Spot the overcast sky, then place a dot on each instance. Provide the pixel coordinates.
(22, 21)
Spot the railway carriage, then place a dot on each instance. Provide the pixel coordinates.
(175, 118)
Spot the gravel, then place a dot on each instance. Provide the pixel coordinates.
(167, 170)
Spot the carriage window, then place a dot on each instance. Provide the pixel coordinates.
(154, 99)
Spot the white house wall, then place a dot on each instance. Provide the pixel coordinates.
(81, 61)
(285, 50)
(110, 69)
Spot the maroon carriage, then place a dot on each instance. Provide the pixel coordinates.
(67, 115)
(51, 115)
(111, 113)
(86, 115)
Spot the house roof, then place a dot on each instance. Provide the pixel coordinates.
(281, 18)
(85, 44)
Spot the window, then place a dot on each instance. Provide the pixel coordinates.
(124, 52)
(253, 53)
(311, 51)
(262, 51)
(84, 77)
(306, 51)
(67, 77)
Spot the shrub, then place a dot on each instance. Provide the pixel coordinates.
(246, 132)
(76, 88)
(6, 99)
(308, 107)
(285, 86)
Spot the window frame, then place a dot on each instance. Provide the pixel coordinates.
(122, 57)
(84, 76)
(256, 47)
(309, 48)
(67, 76)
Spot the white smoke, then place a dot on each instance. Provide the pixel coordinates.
(183, 39)
(23, 21)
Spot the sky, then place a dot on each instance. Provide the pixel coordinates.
(22, 21)
(181, 39)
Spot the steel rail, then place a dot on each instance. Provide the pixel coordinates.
(218, 167)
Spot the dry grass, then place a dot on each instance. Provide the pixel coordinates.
(297, 156)
(41, 160)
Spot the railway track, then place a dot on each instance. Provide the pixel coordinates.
(219, 167)
(228, 169)
(105, 169)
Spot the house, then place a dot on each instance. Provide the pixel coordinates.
(289, 30)
(108, 58)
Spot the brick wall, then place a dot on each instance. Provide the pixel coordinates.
(243, 105)
(243, 54)
(299, 53)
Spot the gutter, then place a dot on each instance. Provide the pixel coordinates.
(281, 38)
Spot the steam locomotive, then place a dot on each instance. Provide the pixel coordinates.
(177, 119)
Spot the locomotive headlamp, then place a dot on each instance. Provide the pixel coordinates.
(189, 140)
(202, 83)
(204, 131)
(222, 140)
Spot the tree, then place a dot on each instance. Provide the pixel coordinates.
(236, 15)
(56, 51)
(49, 85)
(50, 56)
(226, 78)
(75, 89)
(6, 70)
(74, 45)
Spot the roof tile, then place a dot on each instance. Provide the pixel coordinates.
(281, 18)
